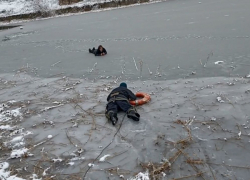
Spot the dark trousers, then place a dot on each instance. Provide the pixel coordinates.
(93, 50)
(118, 105)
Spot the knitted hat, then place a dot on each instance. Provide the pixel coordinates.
(123, 84)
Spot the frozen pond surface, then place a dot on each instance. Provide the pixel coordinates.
(175, 35)
(57, 127)
(191, 56)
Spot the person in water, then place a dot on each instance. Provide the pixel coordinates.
(101, 51)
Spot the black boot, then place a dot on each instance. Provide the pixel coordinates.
(133, 115)
(90, 51)
(113, 118)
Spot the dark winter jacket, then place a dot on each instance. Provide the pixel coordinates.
(122, 92)
(98, 52)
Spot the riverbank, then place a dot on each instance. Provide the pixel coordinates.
(72, 9)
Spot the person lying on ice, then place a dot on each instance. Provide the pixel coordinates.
(101, 51)
(118, 99)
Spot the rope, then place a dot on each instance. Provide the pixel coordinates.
(105, 147)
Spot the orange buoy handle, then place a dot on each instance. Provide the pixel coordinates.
(145, 98)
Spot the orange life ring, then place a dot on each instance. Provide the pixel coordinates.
(145, 98)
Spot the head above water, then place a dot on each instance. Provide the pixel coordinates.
(123, 84)
(100, 48)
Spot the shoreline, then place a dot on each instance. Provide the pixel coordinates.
(75, 10)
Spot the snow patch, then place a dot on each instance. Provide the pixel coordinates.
(141, 176)
(57, 160)
(44, 172)
(50, 136)
(213, 119)
(104, 157)
(138, 131)
(239, 134)
(35, 177)
(12, 101)
(218, 62)
(71, 163)
(16, 112)
(91, 165)
(6, 127)
(77, 158)
(219, 99)
(121, 176)
(7, 115)
(18, 153)
(15, 7)
(17, 139)
(4, 174)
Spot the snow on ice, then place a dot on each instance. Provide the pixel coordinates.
(5, 174)
(141, 176)
(104, 157)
